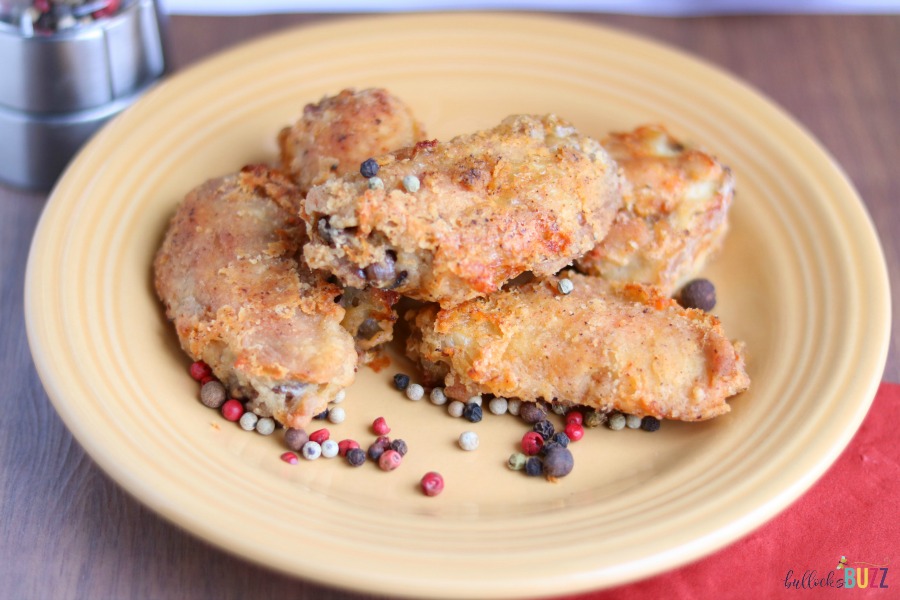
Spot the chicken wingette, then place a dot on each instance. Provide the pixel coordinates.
(450, 221)
(613, 347)
(674, 213)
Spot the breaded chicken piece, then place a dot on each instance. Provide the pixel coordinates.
(336, 135)
(674, 214)
(450, 221)
(617, 347)
(229, 275)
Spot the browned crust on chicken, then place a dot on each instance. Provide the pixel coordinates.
(332, 137)
(529, 195)
(608, 346)
(229, 276)
(674, 213)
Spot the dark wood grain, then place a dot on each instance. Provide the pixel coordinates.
(69, 532)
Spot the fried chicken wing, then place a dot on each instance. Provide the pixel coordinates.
(335, 135)
(618, 347)
(229, 276)
(450, 221)
(674, 213)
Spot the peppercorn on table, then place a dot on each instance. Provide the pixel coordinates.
(73, 532)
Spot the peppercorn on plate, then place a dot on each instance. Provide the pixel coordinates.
(800, 279)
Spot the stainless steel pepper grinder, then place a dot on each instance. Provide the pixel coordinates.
(66, 68)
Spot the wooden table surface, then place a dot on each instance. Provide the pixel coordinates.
(69, 532)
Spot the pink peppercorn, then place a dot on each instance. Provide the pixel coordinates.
(380, 426)
(575, 431)
(319, 435)
(232, 410)
(432, 483)
(390, 460)
(345, 446)
(199, 370)
(290, 458)
(574, 416)
(207, 379)
(532, 442)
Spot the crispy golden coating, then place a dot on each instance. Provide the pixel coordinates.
(674, 214)
(333, 137)
(229, 276)
(610, 346)
(529, 195)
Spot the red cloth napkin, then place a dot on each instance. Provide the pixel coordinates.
(852, 512)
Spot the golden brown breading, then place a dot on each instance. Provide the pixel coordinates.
(229, 275)
(610, 346)
(333, 137)
(674, 214)
(529, 195)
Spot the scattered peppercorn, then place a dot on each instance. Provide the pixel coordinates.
(594, 418)
(558, 462)
(400, 446)
(532, 413)
(468, 440)
(649, 423)
(232, 410)
(455, 408)
(565, 286)
(389, 460)
(561, 438)
(632, 421)
(532, 442)
(574, 416)
(432, 483)
(698, 293)
(516, 461)
(498, 406)
(319, 435)
(345, 446)
(337, 415)
(574, 431)
(559, 409)
(380, 426)
(356, 456)
(295, 438)
(199, 370)
(369, 168)
(330, 448)
(411, 184)
(547, 447)
(290, 458)
(544, 428)
(339, 397)
(533, 466)
(475, 400)
(311, 450)
(513, 406)
(376, 449)
(248, 421)
(437, 396)
(212, 394)
(401, 381)
(415, 392)
(472, 413)
(616, 421)
(322, 415)
(265, 426)
(375, 183)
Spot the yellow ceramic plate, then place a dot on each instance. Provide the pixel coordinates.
(801, 280)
